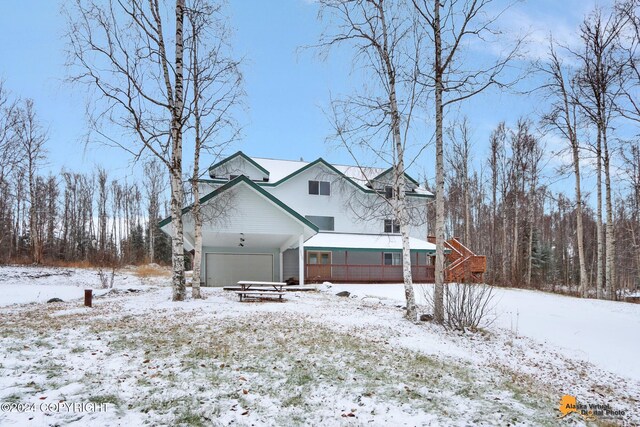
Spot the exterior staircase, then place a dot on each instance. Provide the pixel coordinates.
(463, 266)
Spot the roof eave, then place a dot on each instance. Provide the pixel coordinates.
(250, 183)
(244, 156)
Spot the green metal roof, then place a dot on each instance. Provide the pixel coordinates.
(406, 175)
(244, 156)
(333, 169)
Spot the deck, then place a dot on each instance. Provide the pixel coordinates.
(366, 273)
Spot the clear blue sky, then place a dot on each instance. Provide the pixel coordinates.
(286, 89)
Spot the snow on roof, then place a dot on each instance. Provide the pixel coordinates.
(279, 169)
(366, 241)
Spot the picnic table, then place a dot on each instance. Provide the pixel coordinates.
(256, 289)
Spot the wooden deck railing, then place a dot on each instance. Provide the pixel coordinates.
(366, 273)
(470, 268)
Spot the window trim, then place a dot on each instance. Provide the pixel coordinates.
(332, 219)
(394, 226)
(326, 186)
(318, 255)
(395, 257)
(388, 192)
(323, 188)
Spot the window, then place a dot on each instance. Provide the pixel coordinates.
(315, 258)
(322, 188)
(391, 226)
(232, 177)
(392, 258)
(325, 223)
(388, 192)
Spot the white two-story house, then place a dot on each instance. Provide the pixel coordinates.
(273, 220)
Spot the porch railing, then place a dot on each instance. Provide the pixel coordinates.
(366, 273)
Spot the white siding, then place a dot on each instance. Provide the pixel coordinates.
(347, 203)
(249, 212)
(290, 263)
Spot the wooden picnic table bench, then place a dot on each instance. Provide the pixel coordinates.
(257, 289)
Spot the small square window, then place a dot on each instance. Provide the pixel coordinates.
(325, 188)
(392, 258)
(322, 188)
(388, 192)
(314, 187)
(391, 226)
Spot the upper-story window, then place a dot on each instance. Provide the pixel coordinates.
(322, 188)
(388, 192)
(324, 223)
(391, 226)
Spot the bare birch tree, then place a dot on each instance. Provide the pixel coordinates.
(458, 157)
(563, 118)
(382, 36)
(154, 181)
(497, 142)
(31, 137)
(216, 90)
(600, 80)
(119, 50)
(450, 25)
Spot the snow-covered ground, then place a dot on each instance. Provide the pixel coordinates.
(604, 333)
(24, 284)
(316, 359)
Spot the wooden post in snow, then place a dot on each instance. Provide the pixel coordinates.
(88, 296)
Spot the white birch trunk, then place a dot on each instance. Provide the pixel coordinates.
(600, 285)
(399, 179)
(531, 214)
(610, 235)
(196, 211)
(401, 209)
(580, 228)
(177, 244)
(438, 296)
(516, 237)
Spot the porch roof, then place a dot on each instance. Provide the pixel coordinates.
(366, 242)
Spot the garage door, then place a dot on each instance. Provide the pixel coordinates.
(228, 269)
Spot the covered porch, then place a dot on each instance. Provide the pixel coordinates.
(245, 233)
(365, 258)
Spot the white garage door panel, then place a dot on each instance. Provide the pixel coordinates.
(228, 269)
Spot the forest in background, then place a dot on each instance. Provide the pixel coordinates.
(503, 206)
(73, 219)
(507, 209)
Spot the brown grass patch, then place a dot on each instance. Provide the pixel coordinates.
(151, 270)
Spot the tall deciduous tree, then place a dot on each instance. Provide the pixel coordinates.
(450, 26)
(119, 50)
(603, 62)
(382, 35)
(31, 138)
(216, 91)
(563, 118)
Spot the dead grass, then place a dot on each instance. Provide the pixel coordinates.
(198, 369)
(151, 270)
